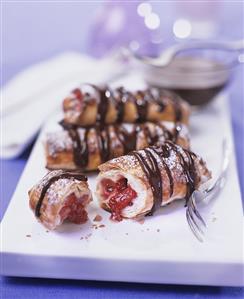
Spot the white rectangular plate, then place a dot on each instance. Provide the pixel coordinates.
(161, 250)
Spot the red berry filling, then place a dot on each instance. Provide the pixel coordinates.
(73, 209)
(120, 196)
(77, 93)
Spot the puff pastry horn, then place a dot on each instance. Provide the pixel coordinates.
(139, 183)
(91, 104)
(86, 148)
(60, 195)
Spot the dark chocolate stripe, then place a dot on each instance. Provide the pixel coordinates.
(127, 139)
(188, 167)
(152, 171)
(80, 147)
(63, 175)
(168, 171)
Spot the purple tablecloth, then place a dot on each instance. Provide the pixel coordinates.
(12, 169)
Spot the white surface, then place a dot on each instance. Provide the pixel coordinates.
(161, 250)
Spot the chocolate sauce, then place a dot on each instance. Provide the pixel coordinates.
(103, 105)
(199, 96)
(141, 100)
(127, 139)
(62, 175)
(152, 171)
(103, 143)
(120, 104)
(196, 78)
(168, 171)
(188, 167)
(80, 148)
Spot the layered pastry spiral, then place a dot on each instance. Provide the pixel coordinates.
(91, 104)
(60, 195)
(139, 183)
(86, 148)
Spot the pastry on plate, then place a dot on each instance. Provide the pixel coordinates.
(139, 183)
(86, 148)
(60, 195)
(91, 104)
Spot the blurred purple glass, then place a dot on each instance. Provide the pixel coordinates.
(119, 24)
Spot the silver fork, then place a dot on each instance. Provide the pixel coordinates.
(196, 222)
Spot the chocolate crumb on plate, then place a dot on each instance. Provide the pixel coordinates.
(28, 236)
(140, 220)
(98, 218)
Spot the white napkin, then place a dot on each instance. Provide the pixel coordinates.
(29, 98)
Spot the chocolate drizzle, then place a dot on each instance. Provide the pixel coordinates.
(103, 138)
(61, 175)
(151, 169)
(120, 104)
(188, 167)
(176, 103)
(128, 139)
(103, 105)
(141, 99)
(80, 149)
(148, 160)
(141, 102)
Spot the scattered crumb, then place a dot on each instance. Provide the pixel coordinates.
(214, 219)
(81, 238)
(127, 234)
(98, 218)
(47, 231)
(147, 229)
(88, 236)
(140, 220)
(158, 230)
(96, 226)
(28, 236)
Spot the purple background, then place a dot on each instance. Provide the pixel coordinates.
(34, 31)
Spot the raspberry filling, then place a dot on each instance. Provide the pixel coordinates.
(74, 210)
(77, 93)
(119, 194)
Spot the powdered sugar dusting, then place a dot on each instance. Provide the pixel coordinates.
(57, 142)
(58, 188)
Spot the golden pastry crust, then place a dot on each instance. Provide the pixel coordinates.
(49, 197)
(91, 104)
(175, 185)
(100, 145)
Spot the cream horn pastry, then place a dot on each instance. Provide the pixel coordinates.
(91, 104)
(86, 148)
(139, 183)
(60, 195)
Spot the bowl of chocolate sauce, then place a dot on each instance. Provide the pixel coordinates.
(196, 79)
